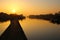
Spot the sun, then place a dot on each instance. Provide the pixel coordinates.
(13, 11)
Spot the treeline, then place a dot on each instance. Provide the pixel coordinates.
(5, 17)
(55, 18)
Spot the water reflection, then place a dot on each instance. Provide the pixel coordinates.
(4, 26)
(40, 29)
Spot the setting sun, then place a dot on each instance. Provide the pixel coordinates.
(13, 11)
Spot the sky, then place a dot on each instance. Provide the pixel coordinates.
(29, 6)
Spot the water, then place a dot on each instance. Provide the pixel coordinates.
(36, 29)
(4, 26)
(40, 29)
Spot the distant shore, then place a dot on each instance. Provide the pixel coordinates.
(54, 18)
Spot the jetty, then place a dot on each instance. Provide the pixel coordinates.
(14, 31)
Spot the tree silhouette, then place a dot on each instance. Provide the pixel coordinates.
(53, 18)
(3, 17)
(14, 31)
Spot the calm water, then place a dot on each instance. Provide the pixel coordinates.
(4, 26)
(36, 29)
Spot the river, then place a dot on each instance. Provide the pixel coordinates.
(36, 29)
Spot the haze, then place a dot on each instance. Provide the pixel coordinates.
(27, 7)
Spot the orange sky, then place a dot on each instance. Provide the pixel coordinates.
(29, 6)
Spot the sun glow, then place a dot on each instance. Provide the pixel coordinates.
(13, 11)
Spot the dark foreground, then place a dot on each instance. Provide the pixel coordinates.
(14, 32)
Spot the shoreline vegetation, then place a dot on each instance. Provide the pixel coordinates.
(5, 17)
(53, 18)
(14, 30)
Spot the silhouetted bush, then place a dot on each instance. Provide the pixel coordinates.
(16, 17)
(5, 17)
